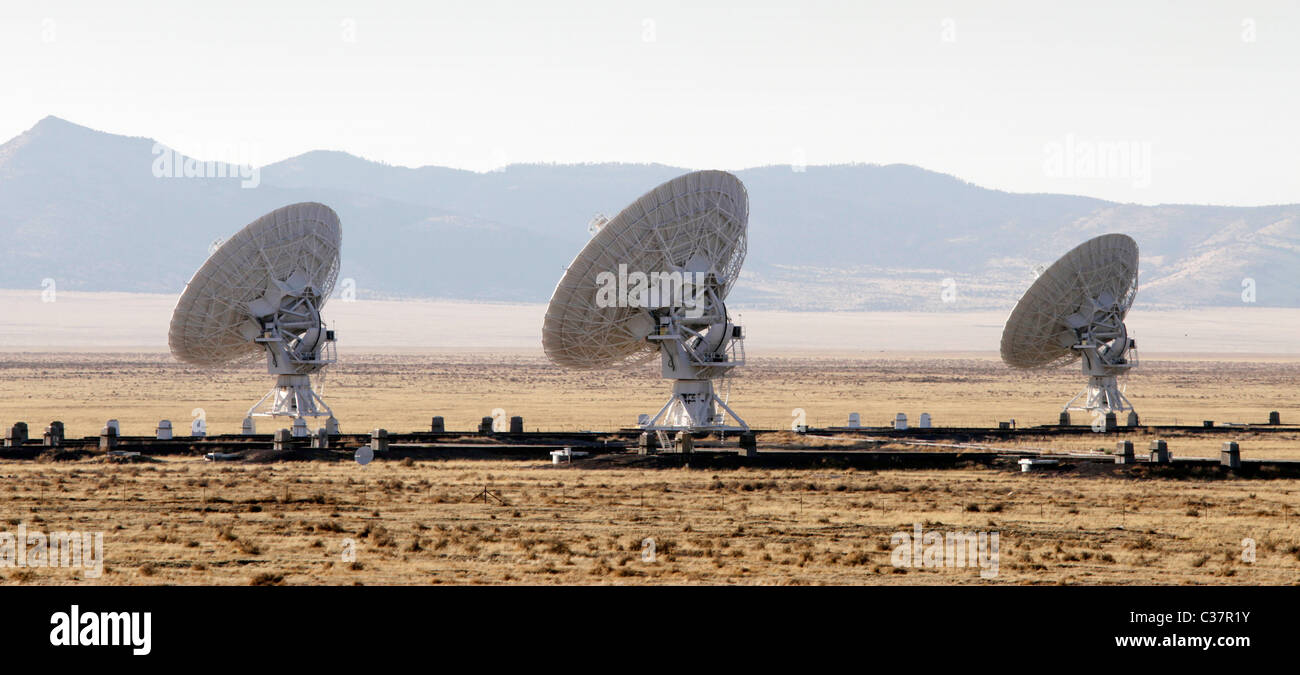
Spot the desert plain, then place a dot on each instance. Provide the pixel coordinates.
(177, 519)
(401, 520)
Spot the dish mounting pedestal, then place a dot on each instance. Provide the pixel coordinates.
(1107, 354)
(694, 351)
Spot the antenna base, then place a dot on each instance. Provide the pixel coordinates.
(694, 406)
(1102, 395)
(291, 397)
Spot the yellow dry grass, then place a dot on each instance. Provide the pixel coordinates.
(183, 521)
(401, 392)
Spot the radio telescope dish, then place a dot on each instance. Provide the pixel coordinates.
(262, 291)
(1076, 310)
(653, 279)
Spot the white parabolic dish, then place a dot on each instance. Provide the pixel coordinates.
(1038, 334)
(688, 234)
(698, 216)
(1076, 310)
(261, 292)
(210, 325)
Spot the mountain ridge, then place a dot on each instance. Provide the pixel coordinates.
(85, 208)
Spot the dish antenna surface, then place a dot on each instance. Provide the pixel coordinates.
(261, 292)
(653, 280)
(1076, 310)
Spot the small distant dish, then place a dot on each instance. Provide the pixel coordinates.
(1076, 310)
(363, 455)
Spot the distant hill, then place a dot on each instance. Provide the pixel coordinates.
(84, 208)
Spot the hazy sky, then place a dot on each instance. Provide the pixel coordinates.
(1187, 102)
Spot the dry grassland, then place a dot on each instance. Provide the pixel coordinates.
(183, 521)
(401, 392)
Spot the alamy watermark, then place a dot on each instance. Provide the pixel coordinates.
(1073, 157)
(49, 290)
(348, 290)
(75, 628)
(168, 163)
(935, 549)
(32, 549)
(653, 290)
(948, 30)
